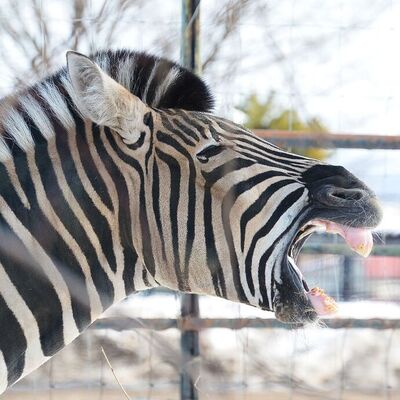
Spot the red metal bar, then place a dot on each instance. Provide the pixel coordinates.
(329, 140)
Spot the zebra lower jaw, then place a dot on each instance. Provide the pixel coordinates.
(295, 302)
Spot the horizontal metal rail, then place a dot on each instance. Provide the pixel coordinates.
(198, 324)
(329, 140)
(386, 250)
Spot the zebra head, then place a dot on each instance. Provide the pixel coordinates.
(220, 211)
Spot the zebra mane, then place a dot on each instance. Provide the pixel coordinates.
(158, 82)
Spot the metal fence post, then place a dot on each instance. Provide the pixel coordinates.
(190, 58)
(347, 278)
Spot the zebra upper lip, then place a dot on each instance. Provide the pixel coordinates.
(358, 239)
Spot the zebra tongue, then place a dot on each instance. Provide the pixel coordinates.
(358, 239)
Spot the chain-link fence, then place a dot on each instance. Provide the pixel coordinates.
(302, 52)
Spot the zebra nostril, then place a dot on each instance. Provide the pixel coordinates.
(333, 196)
(348, 194)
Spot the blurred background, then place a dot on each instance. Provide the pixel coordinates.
(295, 65)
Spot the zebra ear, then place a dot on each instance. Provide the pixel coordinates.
(103, 100)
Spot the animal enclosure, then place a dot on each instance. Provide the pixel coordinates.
(310, 101)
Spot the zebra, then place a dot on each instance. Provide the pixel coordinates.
(115, 177)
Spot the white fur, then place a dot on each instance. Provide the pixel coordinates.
(56, 104)
(162, 89)
(38, 116)
(103, 62)
(5, 152)
(18, 129)
(3, 374)
(151, 77)
(125, 72)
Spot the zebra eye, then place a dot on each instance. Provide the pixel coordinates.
(210, 151)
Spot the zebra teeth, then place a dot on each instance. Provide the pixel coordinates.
(322, 303)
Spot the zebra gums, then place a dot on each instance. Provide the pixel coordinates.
(115, 178)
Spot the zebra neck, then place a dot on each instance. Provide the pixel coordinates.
(67, 251)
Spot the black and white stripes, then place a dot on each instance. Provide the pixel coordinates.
(113, 179)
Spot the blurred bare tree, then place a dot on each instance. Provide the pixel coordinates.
(34, 34)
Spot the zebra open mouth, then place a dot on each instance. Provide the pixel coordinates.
(358, 239)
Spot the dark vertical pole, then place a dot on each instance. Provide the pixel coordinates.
(190, 58)
(347, 278)
(190, 32)
(189, 349)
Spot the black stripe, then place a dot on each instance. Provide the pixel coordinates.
(267, 162)
(284, 205)
(155, 196)
(192, 122)
(190, 225)
(13, 343)
(147, 249)
(184, 128)
(227, 204)
(264, 148)
(167, 125)
(142, 73)
(213, 262)
(31, 282)
(258, 205)
(153, 85)
(263, 261)
(63, 258)
(92, 171)
(148, 120)
(222, 170)
(70, 221)
(175, 179)
(96, 219)
(262, 152)
(215, 135)
(124, 216)
(241, 131)
(37, 136)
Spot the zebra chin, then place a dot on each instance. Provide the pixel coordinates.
(291, 302)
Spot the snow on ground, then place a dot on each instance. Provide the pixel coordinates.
(148, 306)
(316, 359)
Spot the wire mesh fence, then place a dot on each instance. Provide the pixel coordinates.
(245, 354)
